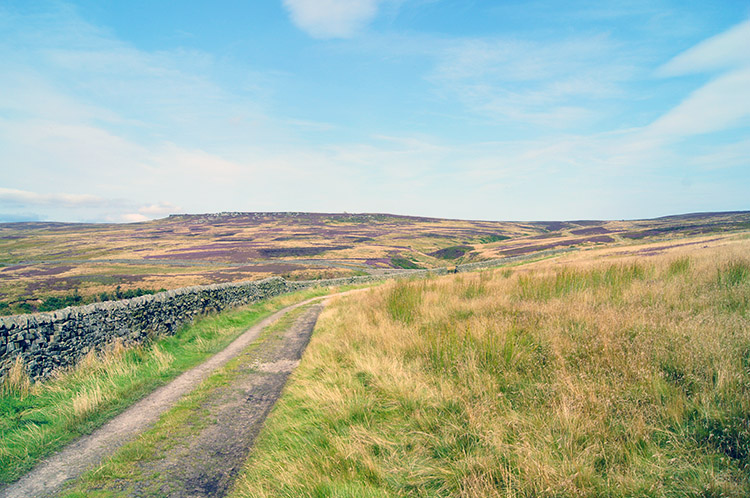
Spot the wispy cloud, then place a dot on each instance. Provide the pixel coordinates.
(27, 198)
(149, 212)
(726, 50)
(331, 18)
(552, 84)
(721, 103)
(111, 209)
(159, 209)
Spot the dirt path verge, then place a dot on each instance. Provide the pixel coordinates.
(48, 477)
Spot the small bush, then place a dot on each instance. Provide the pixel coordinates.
(26, 308)
(59, 302)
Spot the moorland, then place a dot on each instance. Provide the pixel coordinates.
(45, 266)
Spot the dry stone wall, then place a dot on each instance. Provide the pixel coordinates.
(46, 342)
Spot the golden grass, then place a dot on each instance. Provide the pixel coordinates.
(16, 380)
(626, 376)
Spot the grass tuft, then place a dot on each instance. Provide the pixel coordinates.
(734, 273)
(679, 266)
(16, 381)
(403, 301)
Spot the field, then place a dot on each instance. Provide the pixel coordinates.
(45, 266)
(610, 372)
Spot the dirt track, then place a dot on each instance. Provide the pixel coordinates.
(219, 449)
(204, 461)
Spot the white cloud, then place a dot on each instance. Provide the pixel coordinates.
(552, 84)
(27, 198)
(331, 18)
(159, 209)
(723, 102)
(718, 105)
(148, 212)
(725, 50)
(133, 218)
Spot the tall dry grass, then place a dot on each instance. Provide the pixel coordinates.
(625, 377)
(16, 380)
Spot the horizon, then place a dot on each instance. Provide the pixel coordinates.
(127, 112)
(241, 213)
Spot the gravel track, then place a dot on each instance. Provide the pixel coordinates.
(48, 477)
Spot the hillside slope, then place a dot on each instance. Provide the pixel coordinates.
(595, 375)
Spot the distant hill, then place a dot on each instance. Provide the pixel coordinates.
(44, 260)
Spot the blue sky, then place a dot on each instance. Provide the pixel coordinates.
(503, 110)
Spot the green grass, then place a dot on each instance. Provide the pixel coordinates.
(453, 252)
(618, 379)
(565, 281)
(402, 301)
(404, 263)
(488, 239)
(37, 420)
(734, 273)
(679, 266)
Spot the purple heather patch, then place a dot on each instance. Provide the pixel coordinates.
(228, 255)
(223, 246)
(562, 243)
(552, 226)
(280, 252)
(15, 267)
(378, 262)
(591, 231)
(38, 272)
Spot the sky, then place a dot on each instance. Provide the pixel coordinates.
(124, 111)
